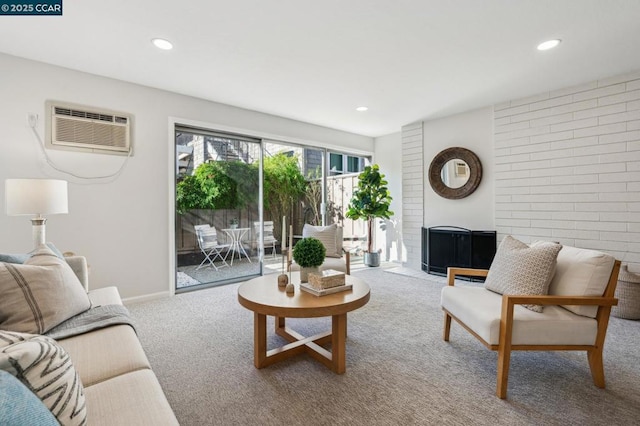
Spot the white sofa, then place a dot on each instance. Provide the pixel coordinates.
(120, 387)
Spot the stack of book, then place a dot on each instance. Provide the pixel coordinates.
(325, 282)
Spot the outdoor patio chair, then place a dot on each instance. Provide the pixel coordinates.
(268, 239)
(209, 246)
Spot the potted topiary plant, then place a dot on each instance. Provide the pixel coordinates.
(370, 200)
(309, 254)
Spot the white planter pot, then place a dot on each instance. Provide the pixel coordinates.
(304, 273)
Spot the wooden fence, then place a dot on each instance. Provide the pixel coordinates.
(339, 193)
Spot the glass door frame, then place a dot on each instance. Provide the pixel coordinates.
(174, 121)
(206, 274)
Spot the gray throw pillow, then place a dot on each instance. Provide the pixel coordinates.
(518, 269)
(39, 294)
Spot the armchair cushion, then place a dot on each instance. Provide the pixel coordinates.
(330, 236)
(480, 310)
(518, 269)
(581, 272)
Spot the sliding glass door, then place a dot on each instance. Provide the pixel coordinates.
(217, 208)
(234, 193)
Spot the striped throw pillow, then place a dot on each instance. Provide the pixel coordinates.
(45, 368)
(39, 294)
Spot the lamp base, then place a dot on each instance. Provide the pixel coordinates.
(38, 231)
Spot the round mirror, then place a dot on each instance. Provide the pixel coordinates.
(455, 173)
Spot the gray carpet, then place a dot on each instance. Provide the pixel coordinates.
(399, 371)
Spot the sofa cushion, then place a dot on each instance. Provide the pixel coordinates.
(130, 399)
(105, 296)
(523, 270)
(480, 310)
(330, 236)
(106, 353)
(79, 267)
(581, 272)
(20, 406)
(47, 370)
(39, 294)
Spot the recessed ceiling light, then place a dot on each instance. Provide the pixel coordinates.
(362, 108)
(161, 43)
(549, 44)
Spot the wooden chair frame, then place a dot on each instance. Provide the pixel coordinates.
(504, 348)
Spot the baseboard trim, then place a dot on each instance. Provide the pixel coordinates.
(146, 298)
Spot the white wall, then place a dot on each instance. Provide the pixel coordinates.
(472, 130)
(562, 165)
(421, 142)
(412, 192)
(387, 156)
(122, 226)
(568, 167)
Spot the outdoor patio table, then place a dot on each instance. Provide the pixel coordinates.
(236, 235)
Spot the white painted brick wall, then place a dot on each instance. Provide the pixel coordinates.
(567, 167)
(412, 192)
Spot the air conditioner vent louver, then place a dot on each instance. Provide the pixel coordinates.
(86, 128)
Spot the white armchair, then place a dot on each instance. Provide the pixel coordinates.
(331, 237)
(575, 311)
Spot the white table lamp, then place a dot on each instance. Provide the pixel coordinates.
(36, 197)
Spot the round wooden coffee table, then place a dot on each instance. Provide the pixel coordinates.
(263, 296)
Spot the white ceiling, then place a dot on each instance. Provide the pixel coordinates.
(316, 60)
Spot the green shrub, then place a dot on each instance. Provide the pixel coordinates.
(218, 185)
(309, 252)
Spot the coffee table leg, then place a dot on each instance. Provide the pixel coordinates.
(280, 323)
(338, 343)
(259, 339)
(336, 359)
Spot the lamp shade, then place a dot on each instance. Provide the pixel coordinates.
(35, 196)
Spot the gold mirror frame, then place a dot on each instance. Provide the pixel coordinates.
(475, 173)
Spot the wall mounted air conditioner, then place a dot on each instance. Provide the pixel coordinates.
(88, 129)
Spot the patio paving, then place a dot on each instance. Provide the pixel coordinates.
(190, 276)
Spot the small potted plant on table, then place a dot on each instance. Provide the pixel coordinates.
(309, 254)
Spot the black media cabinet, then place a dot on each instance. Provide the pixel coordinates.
(444, 246)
